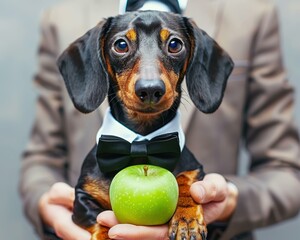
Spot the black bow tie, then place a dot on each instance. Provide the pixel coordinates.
(114, 153)
(134, 5)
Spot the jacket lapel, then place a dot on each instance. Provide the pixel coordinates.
(206, 14)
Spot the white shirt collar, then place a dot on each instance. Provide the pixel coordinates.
(111, 126)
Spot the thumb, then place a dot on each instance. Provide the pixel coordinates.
(212, 188)
(62, 194)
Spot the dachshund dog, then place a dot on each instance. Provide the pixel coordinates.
(138, 61)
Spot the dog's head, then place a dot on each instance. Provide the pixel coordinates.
(140, 59)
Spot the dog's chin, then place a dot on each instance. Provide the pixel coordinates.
(149, 109)
(144, 114)
(146, 111)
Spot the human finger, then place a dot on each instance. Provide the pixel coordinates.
(133, 232)
(64, 227)
(107, 219)
(212, 188)
(61, 194)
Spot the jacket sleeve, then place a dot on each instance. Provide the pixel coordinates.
(44, 159)
(270, 192)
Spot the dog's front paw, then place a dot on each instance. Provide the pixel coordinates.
(188, 224)
(98, 232)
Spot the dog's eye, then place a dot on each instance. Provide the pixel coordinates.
(121, 46)
(175, 45)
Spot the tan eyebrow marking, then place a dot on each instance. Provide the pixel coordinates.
(164, 34)
(131, 35)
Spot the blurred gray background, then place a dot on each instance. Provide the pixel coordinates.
(19, 21)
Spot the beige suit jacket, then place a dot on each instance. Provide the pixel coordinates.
(257, 111)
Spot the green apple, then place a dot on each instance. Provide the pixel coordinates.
(144, 195)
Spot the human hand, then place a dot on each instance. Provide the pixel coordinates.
(129, 231)
(55, 207)
(217, 197)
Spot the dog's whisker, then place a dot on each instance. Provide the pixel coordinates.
(184, 91)
(186, 100)
(184, 104)
(113, 99)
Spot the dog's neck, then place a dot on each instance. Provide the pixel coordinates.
(141, 123)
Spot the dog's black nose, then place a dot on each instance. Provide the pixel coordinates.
(150, 91)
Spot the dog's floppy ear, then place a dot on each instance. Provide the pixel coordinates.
(83, 69)
(208, 70)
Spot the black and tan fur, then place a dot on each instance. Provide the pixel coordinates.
(139, 60)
